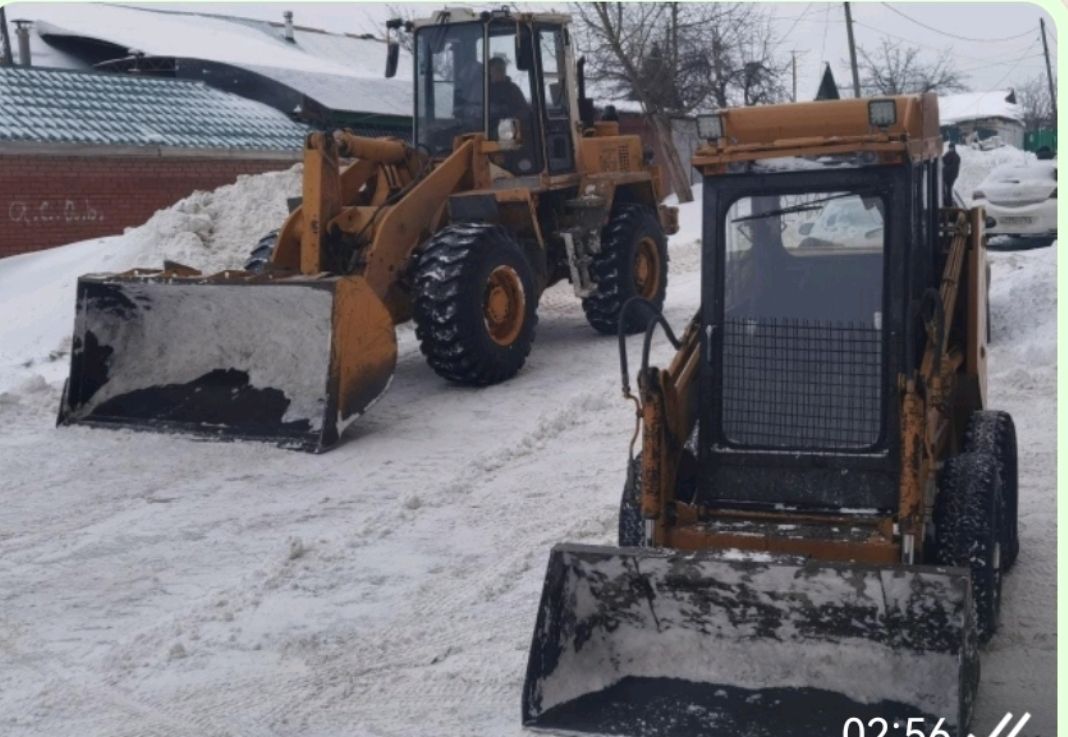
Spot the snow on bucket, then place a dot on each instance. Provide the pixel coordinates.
(657, 642)
(290, 360)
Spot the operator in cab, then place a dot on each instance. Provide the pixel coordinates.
(506, 100)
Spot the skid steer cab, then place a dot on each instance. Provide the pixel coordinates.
(817, 524)
(508, 186)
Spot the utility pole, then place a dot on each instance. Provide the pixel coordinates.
(793, 67)
(852, 51)
(5, 42)
(1049, 72)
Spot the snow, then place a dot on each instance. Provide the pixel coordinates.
(976, 165)
(156, 585)
(212, 231)
(976, 106)
(317, 71)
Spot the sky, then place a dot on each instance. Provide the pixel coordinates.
(996, 45)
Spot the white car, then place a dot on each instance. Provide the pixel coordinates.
(1021, 200)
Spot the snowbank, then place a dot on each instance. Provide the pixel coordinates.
(976, 164)
(210, 231)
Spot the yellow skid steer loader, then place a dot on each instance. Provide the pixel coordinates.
(510, 186)
(815, 531)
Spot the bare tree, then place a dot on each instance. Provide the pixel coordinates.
(377, 29)
(894, 69)
(1033, 98)
(677, 58)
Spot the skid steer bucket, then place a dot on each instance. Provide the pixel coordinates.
(664, 643)
(290, 360)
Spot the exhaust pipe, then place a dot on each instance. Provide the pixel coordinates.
(289, 36)
(22, 30)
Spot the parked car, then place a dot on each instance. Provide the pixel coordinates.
(845, 222)
(1020, 200)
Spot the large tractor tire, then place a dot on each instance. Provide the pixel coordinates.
(260, 256)
(475, 304)
(994, 433)
(967, 517)
(631, 524)
(633, 262)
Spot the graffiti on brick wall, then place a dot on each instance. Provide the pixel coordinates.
(45, 212)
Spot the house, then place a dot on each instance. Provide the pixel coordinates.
(85, 154)
(977, 116)
(321, 78)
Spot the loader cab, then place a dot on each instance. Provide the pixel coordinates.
(499, 75)
(813, 266)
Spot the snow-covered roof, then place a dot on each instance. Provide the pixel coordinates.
(60, 106)
(340, 72)
(977, 106)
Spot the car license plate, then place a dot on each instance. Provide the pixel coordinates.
(1017, 220)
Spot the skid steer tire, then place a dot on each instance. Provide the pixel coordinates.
(631, 525)
(967, 522)
(260, 256)
(994, 433)
(475, 304)
(633, 262)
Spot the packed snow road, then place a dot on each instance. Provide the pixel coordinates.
(156, 585)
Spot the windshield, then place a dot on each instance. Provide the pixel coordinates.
(802, 320)
(450, 85)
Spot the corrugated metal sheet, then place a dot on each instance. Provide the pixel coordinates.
(52, 106)
(339, 72)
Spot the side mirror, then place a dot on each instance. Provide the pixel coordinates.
(392, 56)
(524, 50)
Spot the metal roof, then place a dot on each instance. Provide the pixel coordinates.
(340, 72)
(59, 106)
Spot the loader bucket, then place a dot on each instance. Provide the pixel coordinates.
(665, 643)
(289, 360)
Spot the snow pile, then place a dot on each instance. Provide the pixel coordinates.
(212, 231)
(975, 165)
(1023, 300)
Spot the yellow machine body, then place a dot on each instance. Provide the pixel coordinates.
(750, 593)
(293, 351)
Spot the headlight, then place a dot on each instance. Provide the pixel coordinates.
(710, 127)
(882, 113)
(978, 195)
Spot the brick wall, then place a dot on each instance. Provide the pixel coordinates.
(48, 200)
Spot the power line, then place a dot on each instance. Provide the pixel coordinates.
(796, 21)
(862, 24)
(1013, 69)
(952, 35)
(1000, 64)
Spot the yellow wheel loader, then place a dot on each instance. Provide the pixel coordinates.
(509, 186)
(814, 533)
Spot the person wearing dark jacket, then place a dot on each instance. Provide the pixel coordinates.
(950, 170)
(506, 100)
